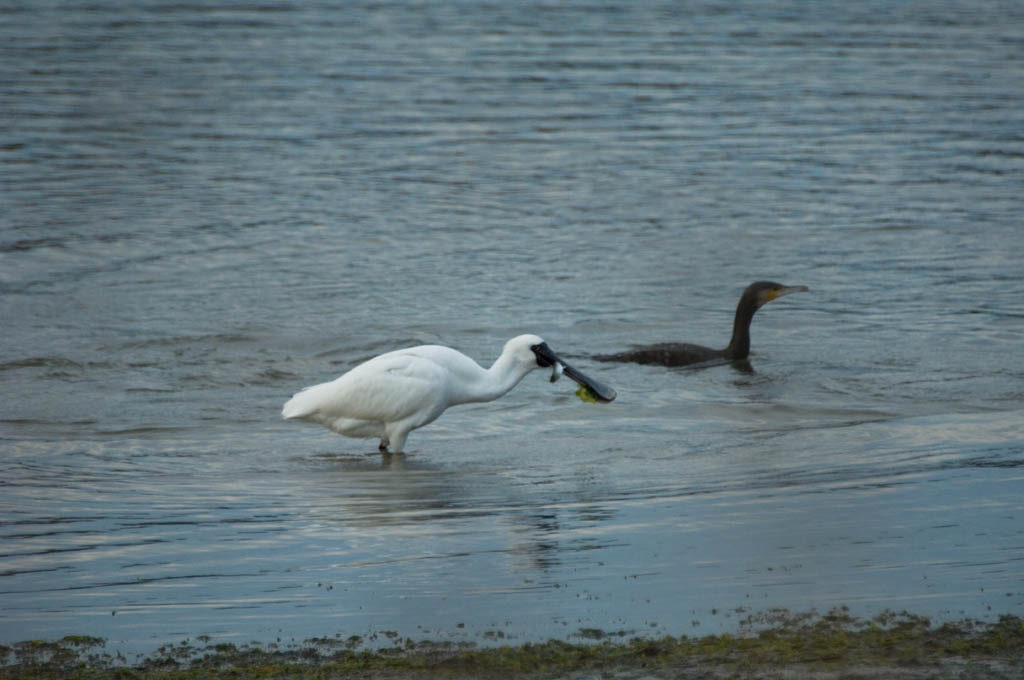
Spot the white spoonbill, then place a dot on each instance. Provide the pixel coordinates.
(394, 393)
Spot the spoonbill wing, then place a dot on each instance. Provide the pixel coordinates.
(389, 388)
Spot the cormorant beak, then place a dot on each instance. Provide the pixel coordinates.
(546, 358)
(784, 290)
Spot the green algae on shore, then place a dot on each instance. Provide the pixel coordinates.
(831, 645)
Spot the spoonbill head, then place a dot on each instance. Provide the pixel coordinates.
(392, 394)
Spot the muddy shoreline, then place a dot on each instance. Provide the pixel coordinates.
(897, 646)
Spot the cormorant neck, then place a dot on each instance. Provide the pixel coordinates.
(739, 345)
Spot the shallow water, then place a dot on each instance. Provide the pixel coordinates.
(205, 210)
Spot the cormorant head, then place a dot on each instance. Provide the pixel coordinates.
(761, 292)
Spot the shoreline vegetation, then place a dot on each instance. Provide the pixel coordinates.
(776, 644)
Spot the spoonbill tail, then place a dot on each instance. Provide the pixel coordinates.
(394, 393)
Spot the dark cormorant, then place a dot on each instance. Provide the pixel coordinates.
(682, 354)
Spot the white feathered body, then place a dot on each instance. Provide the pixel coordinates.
(394, 393)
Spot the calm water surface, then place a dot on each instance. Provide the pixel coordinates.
(206, 209)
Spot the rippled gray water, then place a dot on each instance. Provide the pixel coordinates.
(205, 209)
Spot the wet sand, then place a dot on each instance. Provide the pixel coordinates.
(834, 646)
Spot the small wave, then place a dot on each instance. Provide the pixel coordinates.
(40, 421)
(31, 244)
(142, 431)
(174, 341)
(272, 376)
(40, 362)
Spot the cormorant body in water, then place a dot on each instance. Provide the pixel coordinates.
(683, 354)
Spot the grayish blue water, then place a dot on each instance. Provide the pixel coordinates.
(205, 209)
